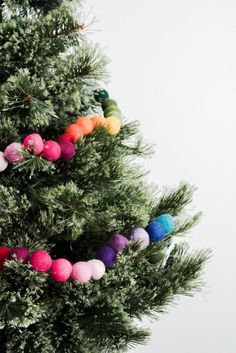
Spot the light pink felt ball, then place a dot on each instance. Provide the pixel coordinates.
(33, 143)
(3, 162)
(61, 270)
(51, 151)
(98, 269)
(81, 271)
(13, 153)
(41, 261)
(67, 150)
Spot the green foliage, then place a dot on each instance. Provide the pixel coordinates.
(48, 73)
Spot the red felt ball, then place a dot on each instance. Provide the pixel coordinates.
(4, 255)
(21, 253)
(75, 131)
(51, 151)
(61, 270)
(67, 150)
(33, 143)
(86, 124)
(67, 138)
(41, 261)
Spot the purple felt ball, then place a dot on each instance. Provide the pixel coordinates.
(107, 255)
(13, 153)
(141, 236)
(118, 242)
(20, 253)
(67, 150)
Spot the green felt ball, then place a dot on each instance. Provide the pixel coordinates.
(111, 108)
(156, 258)
(100, 95)
(112, 112)
(115, 114)
(107, 102)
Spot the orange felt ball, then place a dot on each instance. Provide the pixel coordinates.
(86, 125)
(113, 125)
(75, 131)
(98, 121)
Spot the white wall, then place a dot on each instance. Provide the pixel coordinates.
(174, 68)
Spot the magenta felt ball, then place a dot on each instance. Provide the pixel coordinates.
(81, 272)
(51, 151)
(107, 255)
(61, 270)
(41, 261)
(33, 143)
(118, 242)
(13, 153)
(20, 253)
(141, 236)
(67, 150)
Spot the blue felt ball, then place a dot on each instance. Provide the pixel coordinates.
(167, 222)
(156, 231)
(107, 255)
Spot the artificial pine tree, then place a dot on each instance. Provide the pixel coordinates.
(64, 200)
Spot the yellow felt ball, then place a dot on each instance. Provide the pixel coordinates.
(113, 125)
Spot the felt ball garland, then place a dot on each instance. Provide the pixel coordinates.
(62, 270)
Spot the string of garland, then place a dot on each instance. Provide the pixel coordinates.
(62, 270)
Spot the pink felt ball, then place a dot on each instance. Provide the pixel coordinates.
(67, 150)
(33, 143)
(41, 261)
(21, 253)
(3, 162)
(61, 270)
(51, 151)
(81, 271)
(13, 153)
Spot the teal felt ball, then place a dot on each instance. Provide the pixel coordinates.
(108, 102)
(167, 222)
(100, 95)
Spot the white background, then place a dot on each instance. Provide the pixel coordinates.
(174, 69)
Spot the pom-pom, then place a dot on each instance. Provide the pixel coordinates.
(67, 150)
(13, 153)
(4, 255)
(167, 222)
(107, 255)
(156, 231)
(21, 253)
(108, 102)
(33, 143)
(112, 111)
(118, 242)
(51, 151)
(66, 138)
(98, 269)
(100, 95)
(75, 131)
(113, 125)
(156, 258)
(81, 271)
(98, 121)
(139, 235)
(86, 124)
(41, 261)
(3, 162)
(61, 270)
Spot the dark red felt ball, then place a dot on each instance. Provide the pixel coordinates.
(67, 150)
(4, 255)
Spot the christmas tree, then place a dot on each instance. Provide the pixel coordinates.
(87, 246)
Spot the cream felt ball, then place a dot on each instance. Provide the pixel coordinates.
(118, 242)
(13, 153)
(33, 143)
(41, 261)
(81, 272)
(21, 253)
(98, 269)
(4, 255)
(67, 150)
(141, 236)
(3, 162)
(51, 151)
(61, 270)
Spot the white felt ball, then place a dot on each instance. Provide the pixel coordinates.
(98, 269)
(3, 162)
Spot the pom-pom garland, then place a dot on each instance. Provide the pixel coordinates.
(62, 270)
